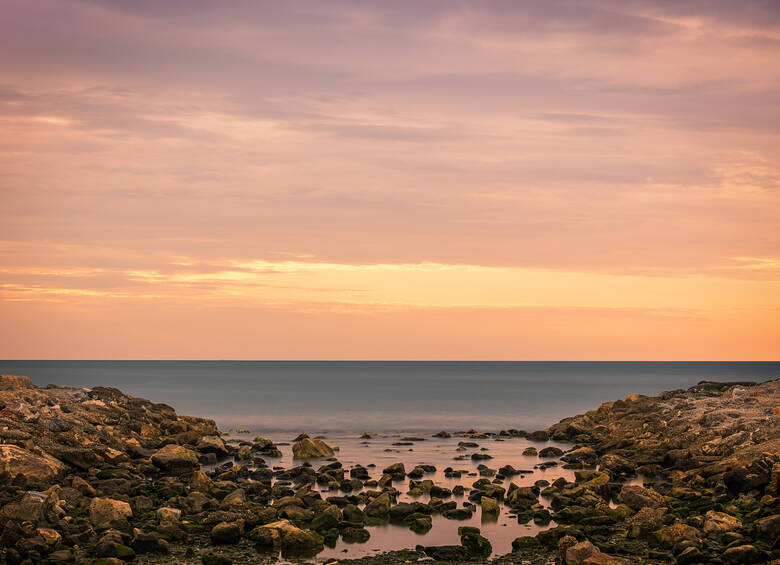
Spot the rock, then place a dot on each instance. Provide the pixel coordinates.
(720, 522)
(144, 542)
(235, 499)
(32, 507)
(83, 486)
(175, 459)
(617, 466)
(379, 507)
(749, 475)
(14, 382)
(212, 444)
(167, 514)
(669, 536)
(691, 555)
(226, 533)
(645, 521)
(285, 534)
(530, 452)
(744, 555)
(581, 456)
(443, 434)
(103, 511)
(769, 527)
(309, 448)
(636, 497)
(475, 544)
(201, 482)
(525, 542)
(489, 505)
(36, 468)
(453, 553)
(585, 553)
(355, 535)
(50, 536)
(550, 451)
(395, 470)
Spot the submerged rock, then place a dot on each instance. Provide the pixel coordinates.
(310, 448)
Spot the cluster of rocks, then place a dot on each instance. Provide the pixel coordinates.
(97, 476)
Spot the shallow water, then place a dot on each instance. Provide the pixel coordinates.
(441, 453)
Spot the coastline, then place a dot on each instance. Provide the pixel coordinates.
(94, 475)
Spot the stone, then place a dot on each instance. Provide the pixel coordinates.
(744, 555)
(669, 536)
(14, 382)
(636, 497)
(530, 452)
(35, 467)
(285, 534)
(168, 514)
(310, 448)
(550, 451)
(32, 507)
(237, 498)
(103, 511)
(720, 522)
(226, 533)
(769, 527)
(215, 559)
(379, 507)
(212, 444)
(489, 505)
(581, 456)
(453, 553)
(645, 521)
(443, 434)
(475, 544)
(585, 553)
(175, 459)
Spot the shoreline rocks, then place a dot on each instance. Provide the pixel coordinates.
(91, 475)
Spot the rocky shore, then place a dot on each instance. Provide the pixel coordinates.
(95, 476)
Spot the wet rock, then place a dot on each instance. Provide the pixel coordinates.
(489, 505)
(585, 553)
(550, 451)
(226, 533)
(103, 511)
(636, 497)
(670, 536)
(443, 434)
(145, 542)
(288, 536)
(720, 522)
(530, 452)
(645, 521)
(36, 468)
(769, 527)
(167, 514)
(379, 507)
(396, 470)
(175, 459)
(744, 555)
(749, 475)
(474, 543)
(212, 444)
(452, 553)
(32, 507)
(311, 448)
(355, 535)
(585, 456)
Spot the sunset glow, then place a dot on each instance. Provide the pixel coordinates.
(358, 180)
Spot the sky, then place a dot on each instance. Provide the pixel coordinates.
(428, 179)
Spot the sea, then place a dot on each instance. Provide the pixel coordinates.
(401, 405)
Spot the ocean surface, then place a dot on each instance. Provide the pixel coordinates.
(379, 396)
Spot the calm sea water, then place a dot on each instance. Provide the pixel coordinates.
(378, 396)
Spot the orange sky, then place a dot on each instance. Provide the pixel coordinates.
(405, 180)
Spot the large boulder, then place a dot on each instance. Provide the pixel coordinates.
(14, 382)
(103, 511)
(175, 459)
(31, 508)
(636, 497)
(379, 507)
(212, 444)
(36, 468)
(308, 448)
(288, 536)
